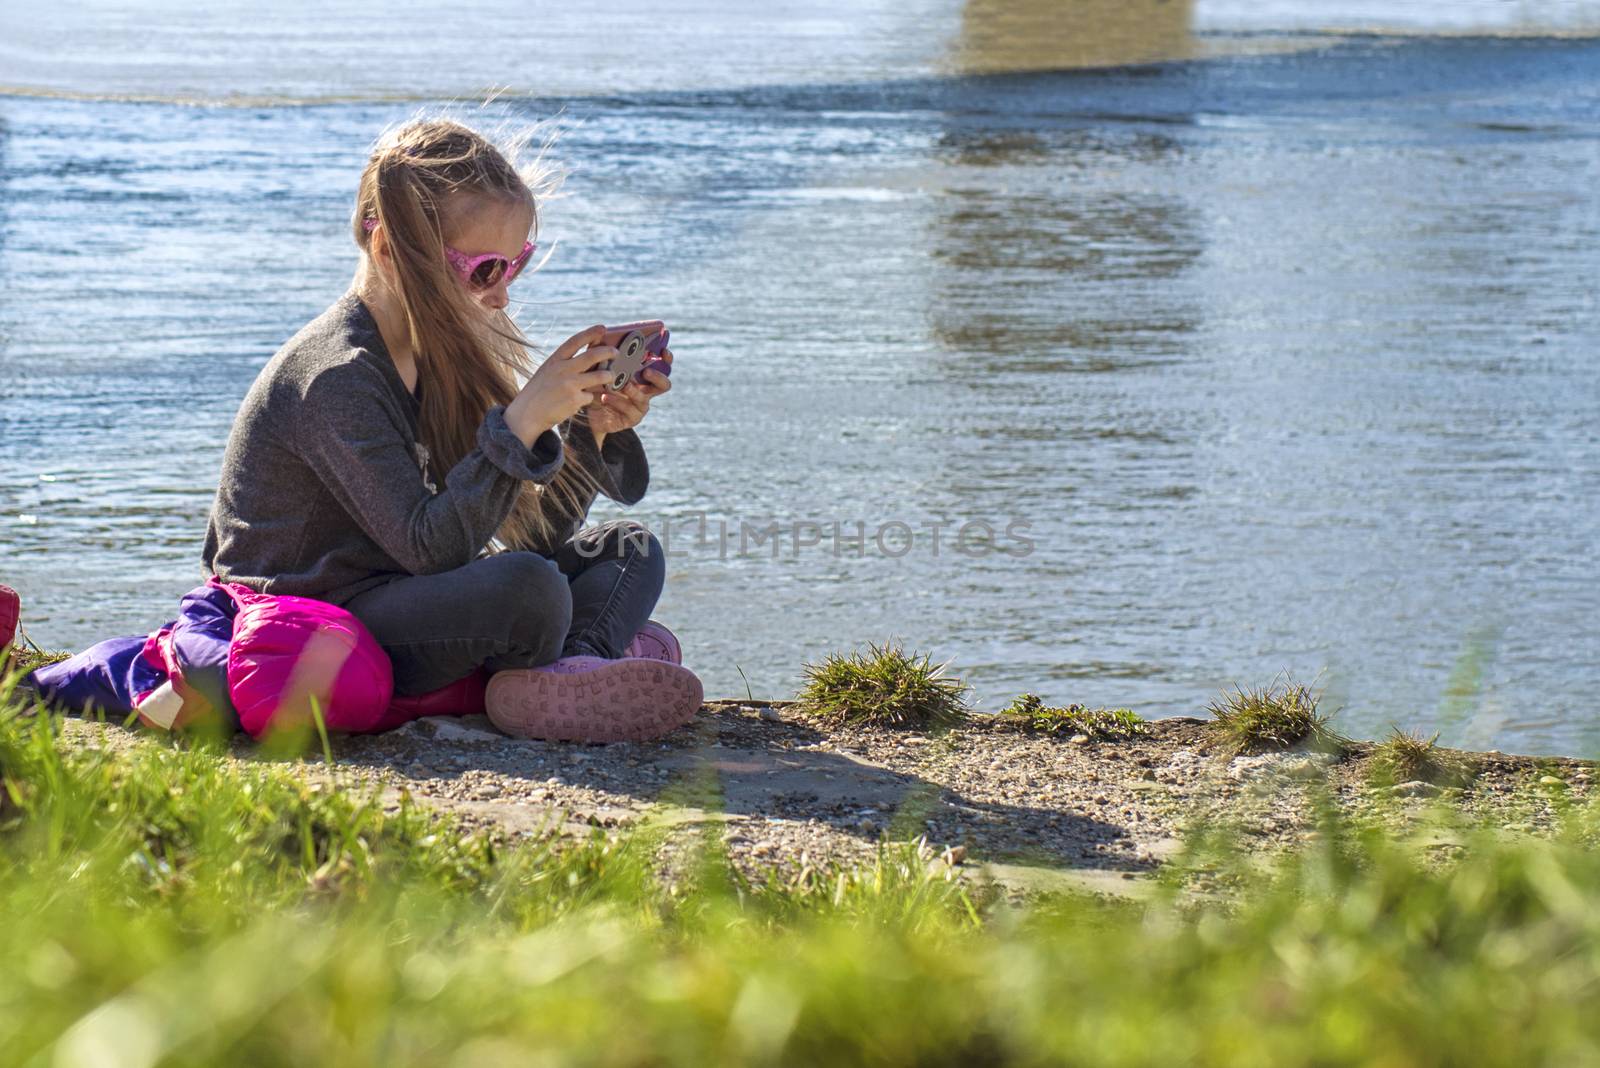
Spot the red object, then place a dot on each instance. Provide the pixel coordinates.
(464, 697)
(10, 615)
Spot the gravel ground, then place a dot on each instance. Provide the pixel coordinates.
(1029, 811)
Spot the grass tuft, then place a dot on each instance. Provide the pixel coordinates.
(883, 687)
(1406, 756)
(1029, 713)
(1279, 716)
(27, 658)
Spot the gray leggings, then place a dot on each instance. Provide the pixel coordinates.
(517, 610)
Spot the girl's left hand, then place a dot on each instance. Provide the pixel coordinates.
(619, 411)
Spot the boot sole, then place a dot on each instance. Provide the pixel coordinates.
(620, 701)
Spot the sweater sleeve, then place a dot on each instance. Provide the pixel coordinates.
(619, 466)
(350, 435)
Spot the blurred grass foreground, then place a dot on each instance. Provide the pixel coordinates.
(162, 904)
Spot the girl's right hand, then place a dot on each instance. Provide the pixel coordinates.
(561, 386)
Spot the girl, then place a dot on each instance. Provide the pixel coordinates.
(386, 461)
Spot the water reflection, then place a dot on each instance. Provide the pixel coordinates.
(1056, 281)
(1024, 35)
(1049, 266)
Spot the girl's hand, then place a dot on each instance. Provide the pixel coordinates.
(561, 386)
(619, 411)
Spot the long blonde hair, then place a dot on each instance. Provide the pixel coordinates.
(418, 175)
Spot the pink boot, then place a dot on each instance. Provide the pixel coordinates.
(655, 642)
(591, 699)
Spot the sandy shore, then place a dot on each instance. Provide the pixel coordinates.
(1026, 810)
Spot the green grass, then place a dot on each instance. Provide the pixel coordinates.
(882, 687)
(25, 658)
(1028, 712)
(1406, 756)
(163, 905)
(1280, 716)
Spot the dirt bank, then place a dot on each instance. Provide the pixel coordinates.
(1031, 811)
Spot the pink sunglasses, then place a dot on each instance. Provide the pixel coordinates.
(483, 271)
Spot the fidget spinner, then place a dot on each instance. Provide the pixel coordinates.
(636, 351)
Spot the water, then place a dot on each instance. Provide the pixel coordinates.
(1277, 359)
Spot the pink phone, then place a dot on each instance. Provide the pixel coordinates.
(638, 345)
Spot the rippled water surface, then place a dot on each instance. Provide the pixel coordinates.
(1279, 359)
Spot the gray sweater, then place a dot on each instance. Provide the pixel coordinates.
(323, 490)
